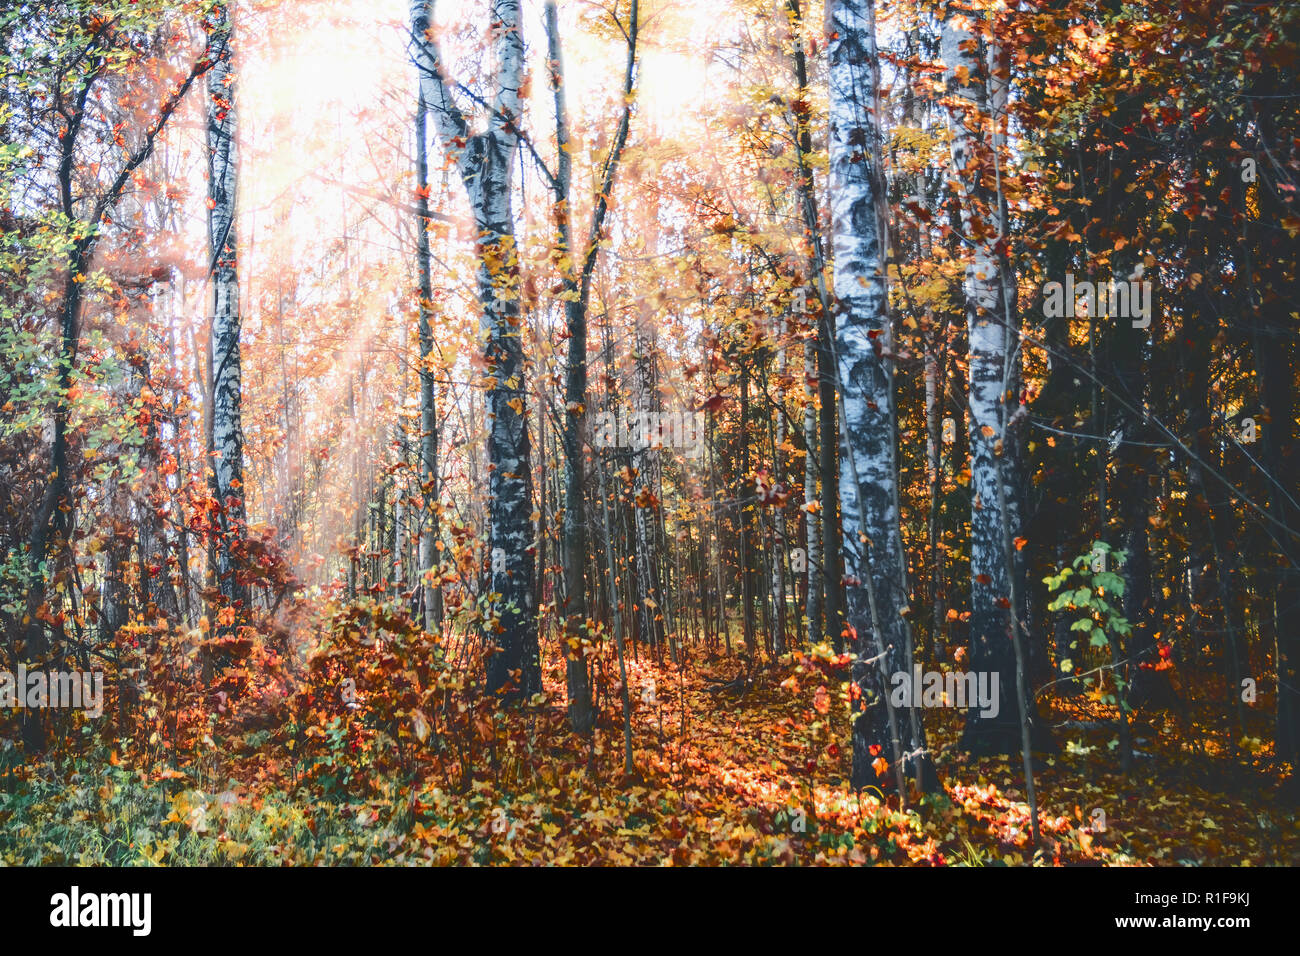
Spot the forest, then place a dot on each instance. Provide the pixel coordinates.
(649, 433)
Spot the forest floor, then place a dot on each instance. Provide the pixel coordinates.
(727, 774)
(729, 770)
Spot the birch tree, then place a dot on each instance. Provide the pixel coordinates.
(993, 378)
(431, 593)
(873, 559)
(227, 427)
(990, 575)
(822, 588)
(484, 160)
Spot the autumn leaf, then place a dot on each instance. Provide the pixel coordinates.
(420, 724)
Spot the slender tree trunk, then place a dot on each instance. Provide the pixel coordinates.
(158, 596)
(628, 766)
(874, 572)
(430, 565)
(746, 539)
(645, 506)
(577, 285)
(832, 540)
(1213, 547)
(812, 527)
(227, 424)
(778, 554)
(823, 586)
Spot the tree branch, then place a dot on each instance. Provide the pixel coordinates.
(110, 198)
(451, 123)
(615, 154)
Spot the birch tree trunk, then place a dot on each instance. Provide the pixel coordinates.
(484, 161)
(227, 426)
(873, 562)
(991, 648)
(431, 592)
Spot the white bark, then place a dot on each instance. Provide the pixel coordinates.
(227, 428)
(873, 562)
(430, 566)
(990, 342)
(484, 161)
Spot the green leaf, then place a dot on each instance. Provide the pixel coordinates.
(1112, 582)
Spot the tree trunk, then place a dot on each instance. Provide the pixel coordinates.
(484, 161)
(990, 366)
(158, 596)
(812, 527)
(430, 565)
(830, 567)
(227, 427)
(577, 286)
(874, 573)
(645, 507)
